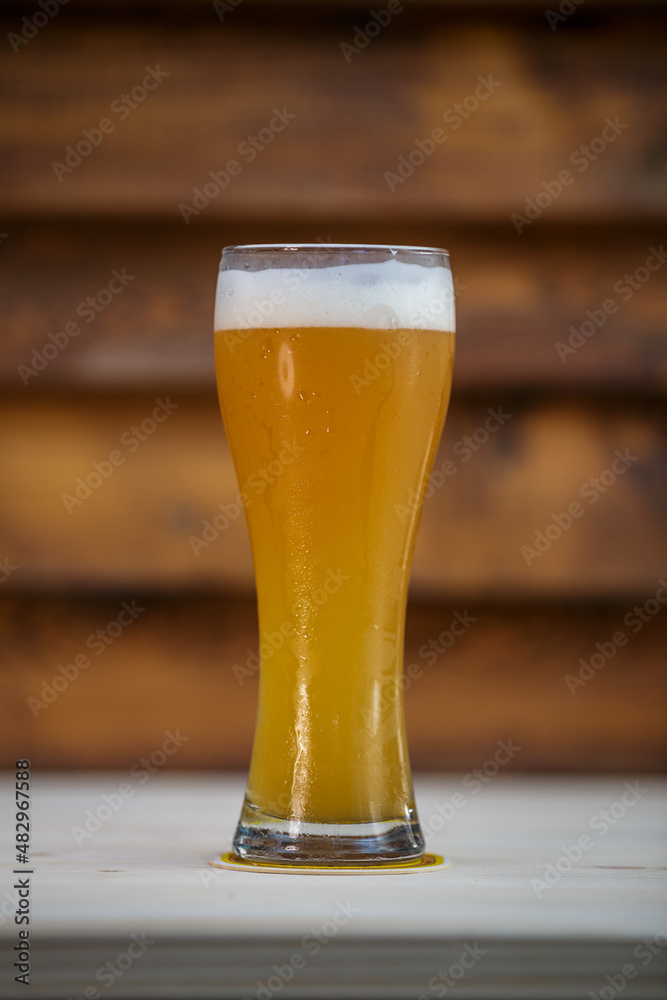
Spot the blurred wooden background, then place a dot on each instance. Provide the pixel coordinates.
(68, 567)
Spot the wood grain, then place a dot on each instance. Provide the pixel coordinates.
(354, 120)
(517, 300)
(144, 522)
(142, 875)
(541, 608)
(173, 668)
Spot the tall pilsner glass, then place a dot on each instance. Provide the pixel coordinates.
(334, 366)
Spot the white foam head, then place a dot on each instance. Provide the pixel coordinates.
(390, 295)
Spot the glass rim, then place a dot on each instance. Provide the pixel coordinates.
(373, 247)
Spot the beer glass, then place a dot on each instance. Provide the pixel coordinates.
(333, 366)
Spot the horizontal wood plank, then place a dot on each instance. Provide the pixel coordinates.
(495, 520)
(504, 678)
(519, 304)
(139, 874)
(551, 93)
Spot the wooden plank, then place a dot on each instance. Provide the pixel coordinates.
(495, 521)
(142, 876)
(517, 300)
(371, 110)
(206, 932)
(513, 674)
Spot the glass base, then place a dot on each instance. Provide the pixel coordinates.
(424, 864)
(270, 839)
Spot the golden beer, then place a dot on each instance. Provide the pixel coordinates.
(333, 430)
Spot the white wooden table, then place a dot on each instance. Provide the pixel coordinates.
(134, 910)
